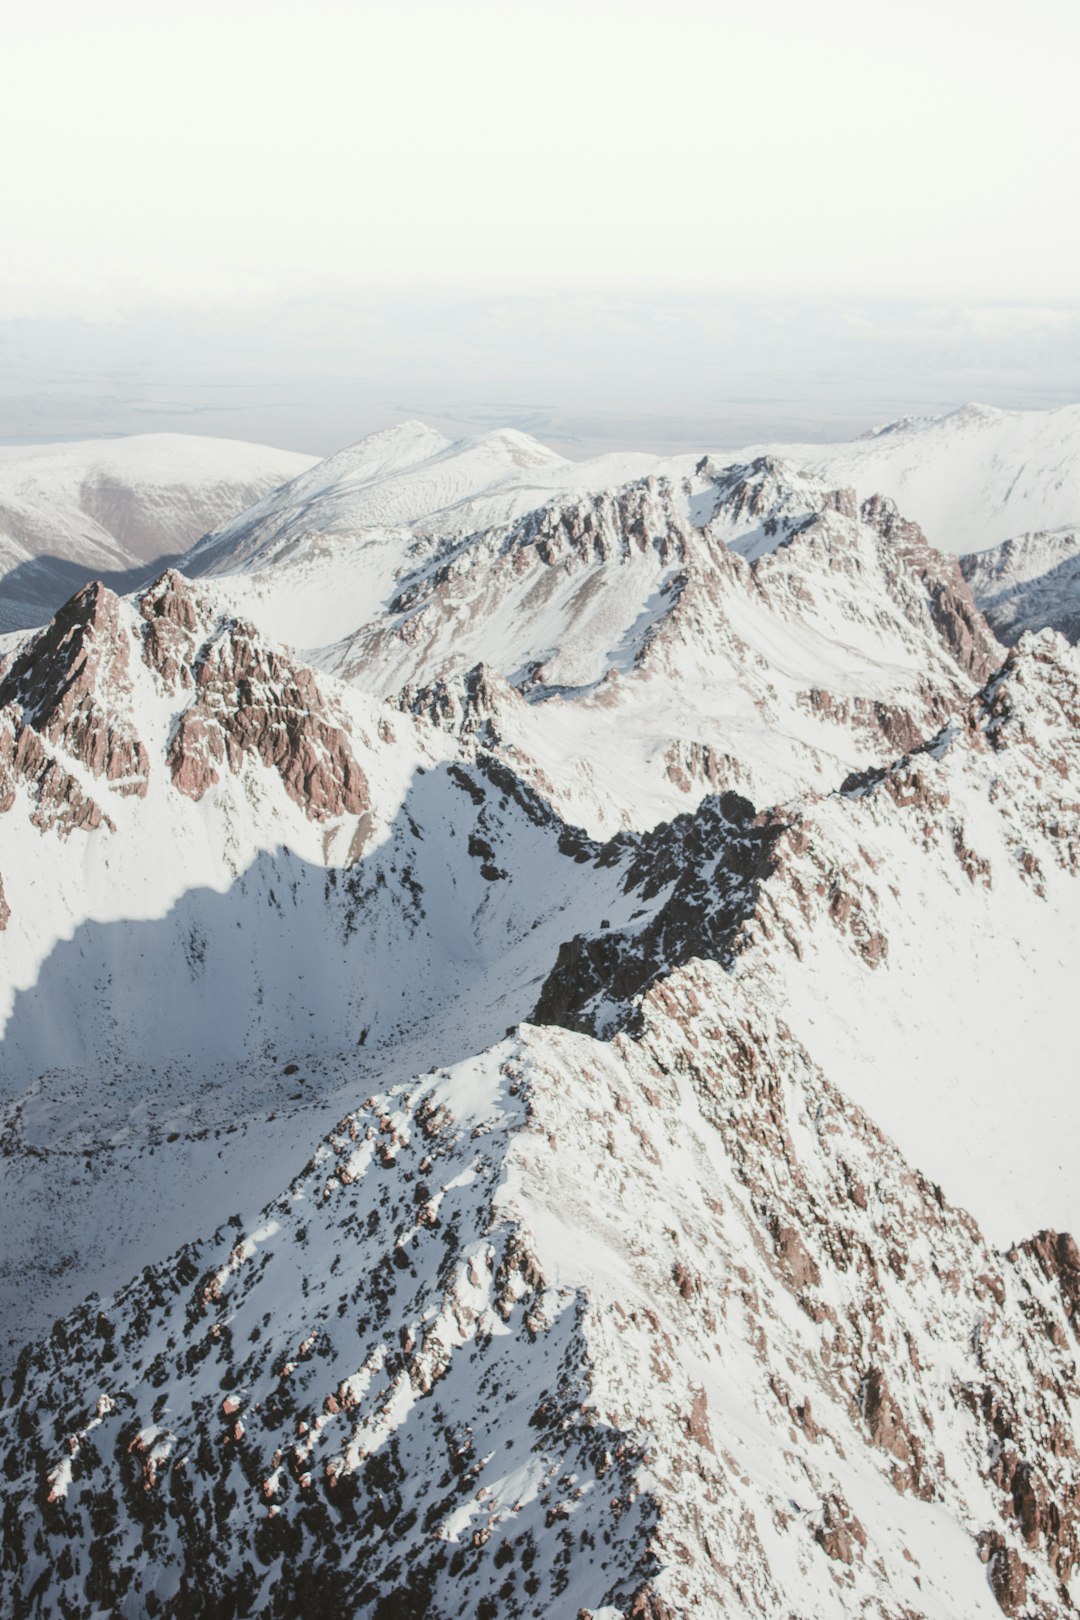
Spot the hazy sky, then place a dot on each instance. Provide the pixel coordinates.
(666, 166)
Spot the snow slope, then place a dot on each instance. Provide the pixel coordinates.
(69, 512)
(971, 478)
(652, 917)
(1029, 583)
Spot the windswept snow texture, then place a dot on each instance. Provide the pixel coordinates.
(538, 1037)
(73, 512)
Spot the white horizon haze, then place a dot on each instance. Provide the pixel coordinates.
(200, 154)
(629, 223)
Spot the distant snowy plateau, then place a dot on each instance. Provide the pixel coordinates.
(539, 1028)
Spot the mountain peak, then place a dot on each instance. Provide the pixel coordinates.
(759, 504)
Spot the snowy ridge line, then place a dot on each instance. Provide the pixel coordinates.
(695, 608)
(437, 1363)
(710, 1287)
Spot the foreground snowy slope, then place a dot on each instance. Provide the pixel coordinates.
(69, 512)
(408, 1385)
(653, 1324)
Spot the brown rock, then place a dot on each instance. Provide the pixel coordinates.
(252, 702)
(795, 1259)
(884, 1418)
(174, 618)
(1008, 1575)
(698, 1421)
(69, 683)
(840, 1534)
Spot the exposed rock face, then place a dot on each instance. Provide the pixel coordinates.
(1008, 1577)
(253, 702)
(767, 501)
(1058, 1256)
(613, 524)
(958, 621)
(175, 621)
(466, 706)
(840, 1534)
(248, 701)
(68, 701)
(712, 865)
(70, 683)
(65, 712)
(59, 801)
(695, 765)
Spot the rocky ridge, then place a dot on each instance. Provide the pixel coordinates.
(407, 1379)
(662, 602)
(636, 1311)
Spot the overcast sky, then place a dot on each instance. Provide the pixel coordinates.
(202, 164)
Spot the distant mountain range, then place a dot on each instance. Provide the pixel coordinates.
(111, 507)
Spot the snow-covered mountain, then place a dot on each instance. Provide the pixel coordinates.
(971, 479)
(739, 625)
(1028, 583)
(69, 512)
(550, 993)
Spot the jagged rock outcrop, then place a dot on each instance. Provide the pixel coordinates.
(176, 619)
(70, 682)
(59, 801)
(763, 503)
(467, 705)
(957, 619)
(708, 869)
(251, 701)
(65, 715)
